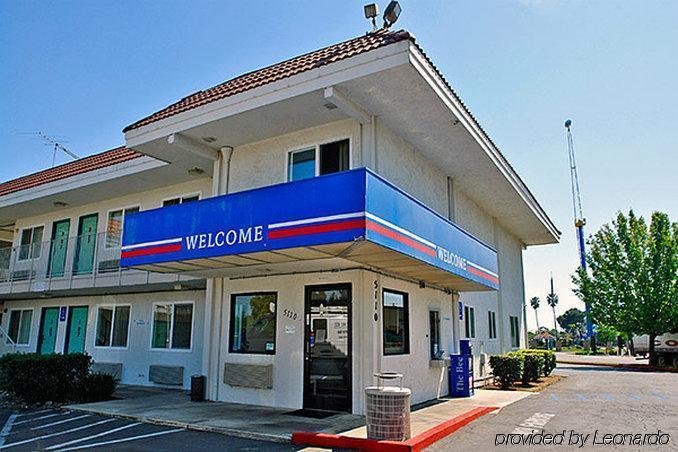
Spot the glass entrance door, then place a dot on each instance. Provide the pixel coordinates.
(76, 329)
(86, 242)
(58, 248)
(327, 382)
(48, 330)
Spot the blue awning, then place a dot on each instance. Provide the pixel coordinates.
(349, 219)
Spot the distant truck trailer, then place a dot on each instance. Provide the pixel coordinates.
(665, 346)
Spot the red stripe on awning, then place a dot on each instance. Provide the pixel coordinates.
(400, 238)
(317, 229)
(482, 274)
(160, 249)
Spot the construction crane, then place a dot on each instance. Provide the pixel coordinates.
(579, 220)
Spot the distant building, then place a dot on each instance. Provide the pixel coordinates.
(287, 233)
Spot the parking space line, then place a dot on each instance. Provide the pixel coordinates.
(608, 397)
(97, 435)
(60, 413)
(51, 435)
(581, 397)
(123, 440)
(633, 396)
(555, 397)
(63, 421)
(33, 413)
(6, 428)
(659, 396)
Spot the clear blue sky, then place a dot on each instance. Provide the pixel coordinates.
(84, 70)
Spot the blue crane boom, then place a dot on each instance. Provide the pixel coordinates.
(579, 220)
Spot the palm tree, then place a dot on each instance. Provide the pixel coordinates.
(552, 300)
(534, 302)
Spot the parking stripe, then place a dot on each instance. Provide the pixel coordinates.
(6, 428)
(123, 440)
(33, 413)
(659, 396)
(51, 435)
(43, 417)
(63, 421)
(98, 435)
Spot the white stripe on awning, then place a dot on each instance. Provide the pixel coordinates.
(401, 230)
(158, 242)
(316, 220)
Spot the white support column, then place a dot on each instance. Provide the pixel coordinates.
(500, 305)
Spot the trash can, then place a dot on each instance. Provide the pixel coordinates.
(387, 409)
(198, 388)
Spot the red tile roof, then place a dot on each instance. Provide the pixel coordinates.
(270, 74)
(83, 165)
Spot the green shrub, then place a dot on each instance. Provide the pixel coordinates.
(549, 358)
(507, 368)
(533, 366)
(58, 378)
(96, 387)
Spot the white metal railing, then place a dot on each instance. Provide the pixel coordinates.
(89, 260)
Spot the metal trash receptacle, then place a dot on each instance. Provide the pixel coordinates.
(387, 409)
(198, 387)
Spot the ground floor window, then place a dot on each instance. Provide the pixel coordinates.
(19, 330)
(492, 326)
(112, 326)
(470, 322)
(396, 323)
(172, 326)
(253, 323)
(515, 331)
(434, 327)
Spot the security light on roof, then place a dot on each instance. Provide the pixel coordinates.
(371, 12)
(391, 14)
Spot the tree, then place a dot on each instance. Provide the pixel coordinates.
(632, 285)
(552, 300)
(534, 302)
(572, 321)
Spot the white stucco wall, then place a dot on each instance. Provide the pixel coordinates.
(137, 356)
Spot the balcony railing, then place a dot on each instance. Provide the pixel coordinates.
(90, 260)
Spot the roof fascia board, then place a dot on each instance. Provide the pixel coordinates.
(347, 69)
(78, 181)
(439, 86)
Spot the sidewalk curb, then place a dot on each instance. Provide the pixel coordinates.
(417, 443)
(285, 439)
(639, 367)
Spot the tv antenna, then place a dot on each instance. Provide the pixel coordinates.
(57, 146)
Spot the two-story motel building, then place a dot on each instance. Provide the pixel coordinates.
(287, 234)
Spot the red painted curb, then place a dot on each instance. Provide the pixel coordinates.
(641, 367)
(440, 431)
(417, 443)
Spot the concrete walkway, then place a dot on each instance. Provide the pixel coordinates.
(174, 408)
(431, 414)
(598, 359)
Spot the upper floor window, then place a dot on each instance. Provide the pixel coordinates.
(19, 329)
(31, 241)
(322, 159)
(116, 219)
(181, 200)
(470, 322)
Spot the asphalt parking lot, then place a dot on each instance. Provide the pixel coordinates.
(56, 429)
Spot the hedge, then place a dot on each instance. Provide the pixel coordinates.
(523, 365)
(36, 378)
(507, 368)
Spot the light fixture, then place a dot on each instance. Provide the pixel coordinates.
(196, 171)
(209, 139)
(391, 14)
(330, 106)
(59, 204)
(371, 12)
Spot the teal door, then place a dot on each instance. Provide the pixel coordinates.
(84, 253)
(48, 330)
(58, 248)
(76, 329)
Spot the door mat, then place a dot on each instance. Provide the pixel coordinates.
(314, 414)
